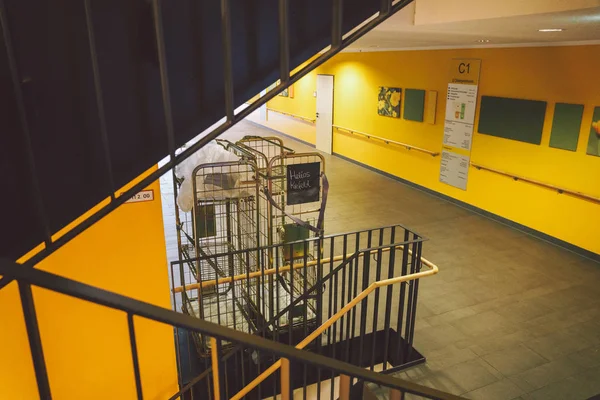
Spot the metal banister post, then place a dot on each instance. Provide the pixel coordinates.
(284, 42)
(227, 57)
(164, 76)
(336, 24)
(287, 390)
(35, 342)
(218, 380)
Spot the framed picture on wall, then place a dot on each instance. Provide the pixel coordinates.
(388, 101)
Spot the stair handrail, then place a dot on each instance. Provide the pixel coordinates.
(550, 186)
(28, 277)
(433, 269)
(386, 141)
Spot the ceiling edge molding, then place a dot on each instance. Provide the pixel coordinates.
(485, 46)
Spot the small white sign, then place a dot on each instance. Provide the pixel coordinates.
(144, 195)
(454, 169)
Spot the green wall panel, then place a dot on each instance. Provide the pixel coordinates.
(594, 139)
(514, 119)
(566, 125)
(414, 104)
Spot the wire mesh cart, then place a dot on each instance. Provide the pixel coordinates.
(240, 209)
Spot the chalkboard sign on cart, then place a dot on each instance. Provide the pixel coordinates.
(303, 183)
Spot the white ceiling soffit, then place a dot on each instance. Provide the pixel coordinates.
(399, 32)
(445, 11)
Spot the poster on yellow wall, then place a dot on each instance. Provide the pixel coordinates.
(388, 101)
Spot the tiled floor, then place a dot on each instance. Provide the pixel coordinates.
(508, 316)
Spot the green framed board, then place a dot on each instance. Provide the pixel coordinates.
(593, 148)
(566, 125)
(515, 119)
(414, 104)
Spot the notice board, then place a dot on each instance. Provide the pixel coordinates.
(414, 104)
(303, 183)
(566, 125)
(515, 119)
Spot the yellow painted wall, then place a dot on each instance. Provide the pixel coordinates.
(552, 74)
(303, 103)
(87, 346)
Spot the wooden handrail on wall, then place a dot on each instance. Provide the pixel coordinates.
(538, 183)
(386, 141)
(433, 269)
(312, 121)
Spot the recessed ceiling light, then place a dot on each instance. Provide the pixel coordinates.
(483, 41)
(551, 30)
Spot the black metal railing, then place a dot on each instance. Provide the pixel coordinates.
(219, 378)
(346, 266)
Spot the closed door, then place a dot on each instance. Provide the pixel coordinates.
(324, 138)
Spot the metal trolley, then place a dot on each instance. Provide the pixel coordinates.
(239, 206)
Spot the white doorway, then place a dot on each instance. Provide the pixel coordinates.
(324, 140)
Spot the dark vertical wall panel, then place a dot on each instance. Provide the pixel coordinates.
(53, 56)
(129, 70)
(566, 125)
(21, 228)
(53, 59)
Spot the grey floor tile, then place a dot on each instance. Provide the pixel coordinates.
(545, 374)
(485, 323)
(495, 342)
(578, 387)
(501, 390)
(558, 344)
(587, 358)
(462, 378)
(514, 360)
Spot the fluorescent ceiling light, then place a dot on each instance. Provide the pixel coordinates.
(551, 30)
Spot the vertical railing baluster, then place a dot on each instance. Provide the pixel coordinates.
(376, 307)
(99, 96)
(397, 359)
(395, 394)
(386, 7)
(284, 42)
(343, 294)
(17, 81)
(331, 342)
(388, 299)
(410, 308)
(364, 305)
(286, 384)
(320, 301)
(350, 349)
(336, 24)
(217, 365)
(164, 76)
(134, 356)
(344, 387)
(227, 57)
(291, 312)
(35, 342)
(415, 286)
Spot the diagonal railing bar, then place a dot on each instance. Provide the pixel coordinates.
(82, 291)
